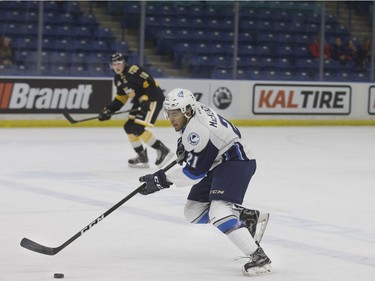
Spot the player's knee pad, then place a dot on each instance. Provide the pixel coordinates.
(221, 215)
(132, 128)
(196, 212)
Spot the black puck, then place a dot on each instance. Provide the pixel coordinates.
(58, 275)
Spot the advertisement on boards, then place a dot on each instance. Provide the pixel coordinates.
(301, 99)
(371, 100)
(37, 95)
(223, 97)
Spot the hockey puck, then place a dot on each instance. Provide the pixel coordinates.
(58, 275)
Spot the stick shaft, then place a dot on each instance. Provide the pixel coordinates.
(73, 121)
(36, 247)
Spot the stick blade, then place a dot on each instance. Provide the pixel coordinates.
(69, 118)
(35, 247)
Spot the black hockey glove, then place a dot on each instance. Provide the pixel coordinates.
(105, 114)
(145, 106)
(180, 152)
(154, 182)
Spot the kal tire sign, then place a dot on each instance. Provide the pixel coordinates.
(54, 95)
(301, 99)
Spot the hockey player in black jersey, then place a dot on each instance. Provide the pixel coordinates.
(134, 83)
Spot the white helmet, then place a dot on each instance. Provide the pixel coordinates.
(180, 99)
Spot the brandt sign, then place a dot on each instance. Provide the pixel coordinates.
(301, 99)
(53, 95)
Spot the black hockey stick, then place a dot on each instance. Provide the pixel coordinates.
(73, 121)
(33, 246)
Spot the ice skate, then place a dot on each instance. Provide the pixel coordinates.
(163, 155)
(140, 161)
(259, 264)
(254, 221)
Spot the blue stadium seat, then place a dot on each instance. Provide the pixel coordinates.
(49, 44)
(219, 73)
(268, 63)
(59, 58)
(156, 72)
(218, 36)
(304, 76)
(88, 21)
(263, 50)
(105, 35)
(223, 62)
(51, 6)
(252, 62)
(66, 19)
(81, 32)
(304, 65)
(247, 50)
(246, 37)
(120, 46)
(72, 8)
(51, 19)
(78, 71)
(65, 45)
(78, 59)
(283, 64)
(285, 51)
(82, 46)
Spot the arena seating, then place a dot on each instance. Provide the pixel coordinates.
(273, 37)
(73, 43)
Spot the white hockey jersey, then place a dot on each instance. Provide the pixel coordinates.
(208, 139)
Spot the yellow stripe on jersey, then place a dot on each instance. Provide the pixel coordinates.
(149, 115)
(143, 98)
(122, 98)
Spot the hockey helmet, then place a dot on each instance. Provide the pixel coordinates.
(181, 99)
(116, 58)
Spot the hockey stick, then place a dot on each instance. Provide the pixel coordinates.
(33, 246)
(73, 121)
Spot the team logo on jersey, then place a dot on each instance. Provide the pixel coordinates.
(222, 98)
(193, 138)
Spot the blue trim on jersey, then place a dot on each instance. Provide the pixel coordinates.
(239, 154)
(235, 152)
(228, 225)
(185, 170)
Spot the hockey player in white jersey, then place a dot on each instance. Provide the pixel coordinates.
(219, 167)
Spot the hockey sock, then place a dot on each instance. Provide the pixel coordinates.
(243, 240)
(148, 138)
(135, 142)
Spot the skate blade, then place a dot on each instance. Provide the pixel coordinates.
(261, 226)
(256, 271)
(166, 159)
(139, 165)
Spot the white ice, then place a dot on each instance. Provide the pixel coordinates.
(318, 183)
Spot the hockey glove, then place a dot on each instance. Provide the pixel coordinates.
(180, 152)
(105, 114)
(145, 106)
(154, 182)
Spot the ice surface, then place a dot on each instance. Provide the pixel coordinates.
(318, 183)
